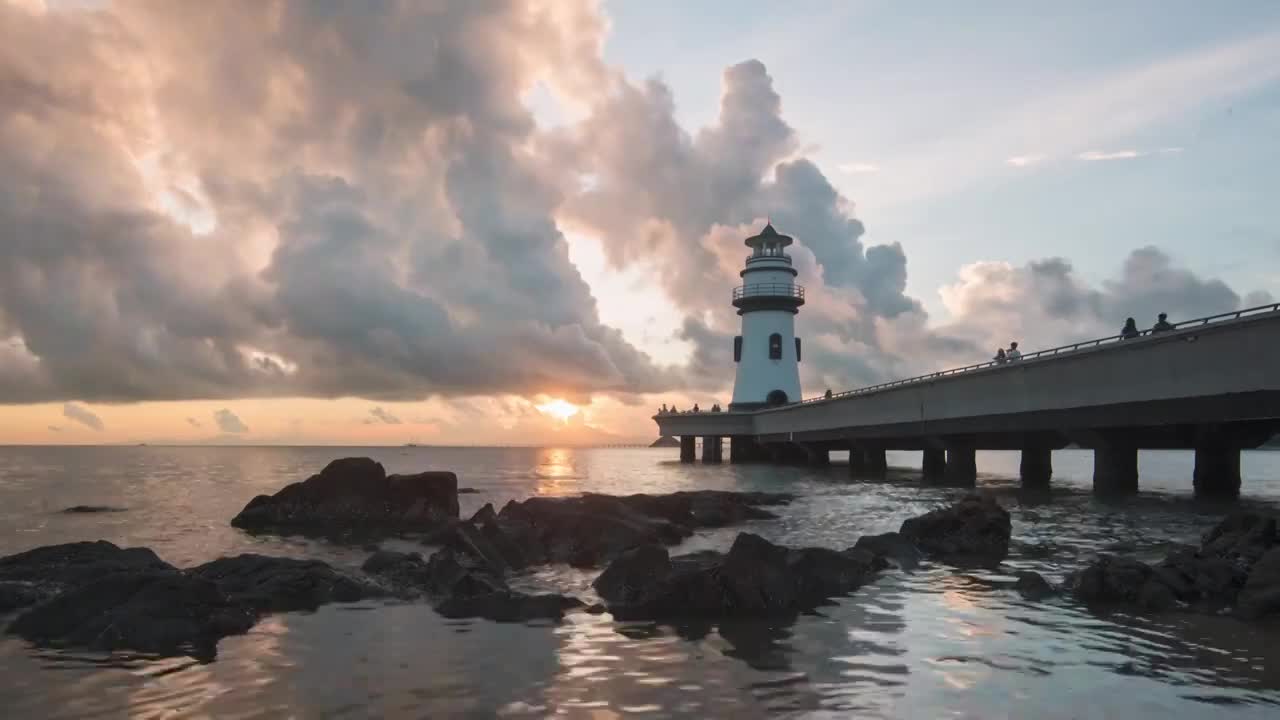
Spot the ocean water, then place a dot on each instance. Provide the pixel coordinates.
(935, 642)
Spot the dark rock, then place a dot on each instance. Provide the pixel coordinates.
(407, 573)
(74, 564)
(1194, 576)
(1261, 594)
(92, 509)
(754, 579)
(706, 508)
(1032, 585)
(1121, 580)
(1241, 537)
(454, 575)
(356, 495)
(484, 515)
(149, 611)
(274, 584)
(974, 530)
(594, 609)
(468, 491)
(891, 546)
(15, 595)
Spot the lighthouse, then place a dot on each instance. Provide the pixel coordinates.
(767, 352)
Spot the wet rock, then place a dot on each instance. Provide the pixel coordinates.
(465, 587)
(1121, 580)
(893, 547)
(1242, 538)
(15, 595)
(406, 573)
(356, 496)
(975, 530)
(58, 567)
(1032, 585)
(594, 609)
(1261, 593)
(275, 584)
(706, 508)
(468, 491)
(149, 611)
(1196, 577)
(77, 509)
(756, 578)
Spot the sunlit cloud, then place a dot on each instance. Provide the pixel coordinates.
(1105, 155)
(82, 415)
(194, 422)
(559, 409)
(859, 168)
(1169, 150)
(228, 422)
(1025, 160)
(386, 417)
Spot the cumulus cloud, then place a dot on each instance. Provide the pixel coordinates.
(82, 415)
(194, 423)
(379, 414)
(227, 422)
(1109, 155)
(1045, 303)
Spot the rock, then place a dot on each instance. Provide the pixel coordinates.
(454, 575)
(706, 508)
(975, 530)
(468, 491)
(92, 509)
(149, 611)
(15, 595)
(1121, 580)
(407, 573)
(891, 546)
(1261, 593)
(275, 584)
(1241, 537)
(355, 495)
(754, 579)
(59, 567)
(1210, 580)
(594, 609)
(1032, 585)
(464, 588)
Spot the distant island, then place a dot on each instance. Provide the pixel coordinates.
(665, 441)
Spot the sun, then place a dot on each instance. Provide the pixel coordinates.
(558, 409)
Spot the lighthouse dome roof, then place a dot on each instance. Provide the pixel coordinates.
(769, 235)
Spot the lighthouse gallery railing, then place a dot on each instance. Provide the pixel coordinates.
(769, 290)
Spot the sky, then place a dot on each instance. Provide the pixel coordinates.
(519, 222)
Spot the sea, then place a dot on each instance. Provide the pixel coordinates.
(935, 642)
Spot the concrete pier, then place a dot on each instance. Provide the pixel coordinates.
(868, 462)
(1036, 467)
(818, 456)
(962, 466)
(933, 464)
(688, 448)
(712, 449)
(1115, 470)
(743, 449)
(1217, 472)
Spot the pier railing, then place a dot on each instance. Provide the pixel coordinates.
(1050, 352)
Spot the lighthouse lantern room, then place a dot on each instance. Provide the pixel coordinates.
(767, 352)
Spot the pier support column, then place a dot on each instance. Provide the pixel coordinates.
(688, 449)
(962, 467)
(712, 451)
(1036, 468)
(1217, 473)
(1115, 470)
(867, 462)
(933, 464)
(818, 456)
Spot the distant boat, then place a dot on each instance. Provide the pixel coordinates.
(411, 444)
(664, 442)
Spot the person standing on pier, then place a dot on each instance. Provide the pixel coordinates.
(1162, 324)
(1013, 353)
(1130, 329)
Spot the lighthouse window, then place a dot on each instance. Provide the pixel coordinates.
(775, 347)
(797, 349)
(737, 349)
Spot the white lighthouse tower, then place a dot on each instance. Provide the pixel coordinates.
(768, 351)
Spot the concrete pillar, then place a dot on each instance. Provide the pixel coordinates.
(1036, 467)
(933, 464)
(1115, 470)
(867, 462)
(711, 449)
(688, 450)
(818, 456)
(745, 449)
(962, 467)
(1217, 473)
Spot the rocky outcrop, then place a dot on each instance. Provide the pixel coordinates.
(87, 509)
(464, 586)
(893, 547)
(148, 611)
(756, 578)
(99, 596)
(1237, 565)
(355, 496)
(973, 531)
(1032, 585)
(274, 584)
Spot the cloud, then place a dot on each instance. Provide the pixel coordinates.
(1025, 160)
(228, 422)
(82, 415)
(54, 428)
(1112, 155)
(1044, 303)
(194, 422)
(859, 168)
(384, 416)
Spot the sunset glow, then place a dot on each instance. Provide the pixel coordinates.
(559, 409)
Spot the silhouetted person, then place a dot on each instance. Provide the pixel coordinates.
(1013, 353)
(1162, 324)
(695, 407)
(715, 407)
(664, 409)
(1130, 330)
(1000, 357)
(827, 395)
